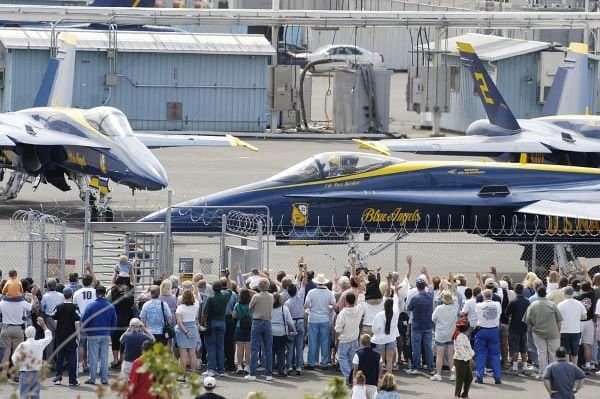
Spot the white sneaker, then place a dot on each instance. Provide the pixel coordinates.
(247, 369)
(209, 373)
(250, 377)
(269, 378)
(240, 369)
(412, 371)
(436, 377)
(452, 377)
(79, 368)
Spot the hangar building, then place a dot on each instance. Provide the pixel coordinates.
(161, 80)
(522, 70)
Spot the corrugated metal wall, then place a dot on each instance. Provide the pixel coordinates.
(217, 92)
(517, 80)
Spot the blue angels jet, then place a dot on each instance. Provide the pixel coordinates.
(52, 143)
(565, 136)
(332, 195)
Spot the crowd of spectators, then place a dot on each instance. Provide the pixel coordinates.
(361, 324)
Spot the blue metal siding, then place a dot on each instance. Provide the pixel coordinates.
(217, 92)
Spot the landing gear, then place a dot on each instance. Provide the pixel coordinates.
(13, 185)
(98, 197)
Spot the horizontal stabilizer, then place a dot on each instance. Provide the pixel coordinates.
(576, 210)
(188, 140)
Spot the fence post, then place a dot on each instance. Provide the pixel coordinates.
(396, 256)
(222, 244)
(63, 249)
(166, 261)
(30, 245)
(533, 255)
(43, 251)
(259, 231)
(87, 256)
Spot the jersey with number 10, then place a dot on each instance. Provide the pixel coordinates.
(83, 297)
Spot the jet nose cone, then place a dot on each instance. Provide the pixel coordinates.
(156, 176)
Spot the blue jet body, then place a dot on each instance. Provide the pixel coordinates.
(331, 195)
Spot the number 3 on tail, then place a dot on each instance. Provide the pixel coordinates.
(483, 88)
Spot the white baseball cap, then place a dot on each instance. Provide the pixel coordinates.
(210, 382)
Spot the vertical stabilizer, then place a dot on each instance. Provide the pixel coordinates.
(570, 91)
(57, 85)
(495, 107)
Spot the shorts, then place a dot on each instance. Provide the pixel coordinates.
(571, 342)
(241, 336)
(11, 336)
(447, 343)
(517, 343)
(125, 369)
(587, 332)
(390, 346)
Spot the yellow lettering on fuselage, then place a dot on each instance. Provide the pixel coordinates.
(563, 225)
(76, 159)
(372, 215)
(483, 87)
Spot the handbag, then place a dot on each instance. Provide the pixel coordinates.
(168, 330)
(289, 337)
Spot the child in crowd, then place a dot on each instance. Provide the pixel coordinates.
(123, 272)
(359, 390)
(463, 353)
(13, 289)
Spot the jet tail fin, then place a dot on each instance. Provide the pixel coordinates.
(57, 85)
(495, 107)
(571, 77)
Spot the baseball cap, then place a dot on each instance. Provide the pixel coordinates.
(568, 291)
(489, 282)
(68, 292)
(210, 382)
(421, 283)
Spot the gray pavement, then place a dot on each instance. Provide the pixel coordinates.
(418, 386)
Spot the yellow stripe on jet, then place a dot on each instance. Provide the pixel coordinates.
(373, 145)
(236, 142)
(465, 47)
(406, 167)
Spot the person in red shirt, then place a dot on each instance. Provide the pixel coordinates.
(140, 383)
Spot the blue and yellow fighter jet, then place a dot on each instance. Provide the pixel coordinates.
(52, 142)
(564, 136)
(331, 195)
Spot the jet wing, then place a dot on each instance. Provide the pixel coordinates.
(38, 136)
(185, 140)
(576, 210)
(474, 145)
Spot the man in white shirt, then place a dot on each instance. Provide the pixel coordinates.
(347, 329)
(29, 358)
(572, 312)
(319, 302)
(83, 297)
(487, 340)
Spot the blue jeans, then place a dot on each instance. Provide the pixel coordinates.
(29, 384)
(295, 349)
(421, 338)
(318, 338)
(215, 343)
(487, 347)
(261, 338)
(346, 351)
(97, 346)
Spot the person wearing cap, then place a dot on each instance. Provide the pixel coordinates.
(209, 386)
(463, 353)
(67, 324)
(99, 319)
(261, 333)
(487, 340)
(131, 341)
(50, 300)
(572, 312)
(421, 306)
(319, 302)
(28, 356)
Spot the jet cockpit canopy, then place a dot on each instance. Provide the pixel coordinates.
(109, 121)
(334, 164)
